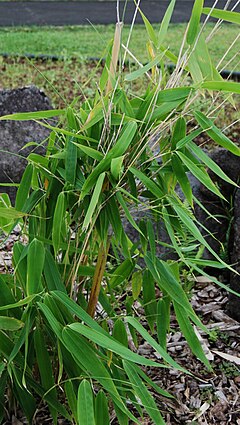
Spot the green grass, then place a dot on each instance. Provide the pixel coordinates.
(87, 41)
(73, 76)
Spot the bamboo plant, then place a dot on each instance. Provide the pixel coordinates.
(67, 313)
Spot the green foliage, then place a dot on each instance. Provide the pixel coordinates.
(102, 163)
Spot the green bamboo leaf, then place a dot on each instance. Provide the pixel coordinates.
(179, 131)
(183, 142)
(20, 303)
(215, 134)
(168, 283)
(10, 323)
(76, 310)
(39, 115)
(127, 213)
(193, 265)
(116, 166)
(202, 59)
(68, 133)
(92, 153)
(114, 218)
(103, 166)
(210, 163)
(71, 161)
(227, 86)
(149, 299)
(96, 114)
(122, 272)
(33, 200)
(144, 333)
(151, 33)
(24, 187)
(85, 409)
(94, 200)
(7, 297)
(87, 358)
(194, 21)
(10, 213)
(35, 264)
(110, 344)
(51, 274)
(20, 263)
(124, 140)
(45, 369)
(225, 15)
(58, 218)
(71, 398)
(173, 58)
(169, 224)
(188, 332)
(120, 333)
(144, 69)
(136, 284)
(141, 391)
(149, 183)
(152, 384)
(151, 238)
(182, 178)
(6, 225)
(188, 222)
(161, 112)
(173, 95)
(201, 175)
(24, 398)
(194, 68)
(165, 23)
(163, 321)
(3, 388)
(101, 409)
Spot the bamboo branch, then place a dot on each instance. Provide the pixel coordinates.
(97, 278)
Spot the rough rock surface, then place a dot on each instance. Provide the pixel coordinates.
(234, 300)
(230, 164)
(15, 134)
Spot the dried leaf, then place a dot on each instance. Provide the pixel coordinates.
(229, 357)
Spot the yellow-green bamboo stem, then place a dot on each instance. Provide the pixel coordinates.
(97, 278)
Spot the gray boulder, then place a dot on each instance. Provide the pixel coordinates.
(15, 134)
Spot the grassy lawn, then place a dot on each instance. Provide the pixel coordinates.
(83, 42)
(74, 76)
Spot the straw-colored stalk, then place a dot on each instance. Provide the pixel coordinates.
(115, 55)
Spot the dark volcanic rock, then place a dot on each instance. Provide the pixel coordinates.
(15, 134)
(220, 209)
(234, 300)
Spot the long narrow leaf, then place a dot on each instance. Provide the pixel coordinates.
(112, 345)
(142, 392)
(165, 22)
(39, 115)
(85, 408)
(215, 134)
(227, 86)
(94, 200)
(225, 15)
(194, 21)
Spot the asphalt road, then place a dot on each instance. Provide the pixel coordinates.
(96, 12)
